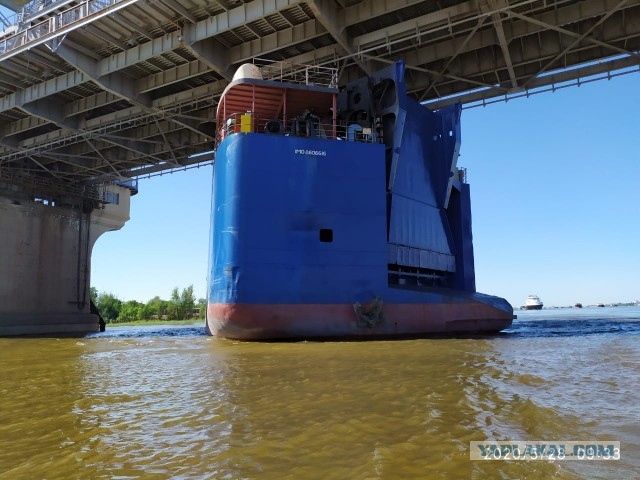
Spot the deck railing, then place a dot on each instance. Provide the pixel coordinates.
(297, 73)
(301, 126)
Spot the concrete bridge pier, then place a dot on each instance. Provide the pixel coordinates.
(45, 259)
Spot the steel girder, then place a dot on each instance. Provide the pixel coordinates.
(73, 110)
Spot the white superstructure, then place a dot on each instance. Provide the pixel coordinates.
(532, 303)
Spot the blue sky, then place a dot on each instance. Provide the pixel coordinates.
(555, 194)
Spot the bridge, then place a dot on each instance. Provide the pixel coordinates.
(95, 94)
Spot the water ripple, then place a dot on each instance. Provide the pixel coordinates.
(170, 402)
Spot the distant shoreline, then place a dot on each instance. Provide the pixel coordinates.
(553, 307)
(138, 323)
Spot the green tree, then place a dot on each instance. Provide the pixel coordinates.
(93, 294)
(202, 306)
(157, 306)
(130, 312)
(187, 302)
(174, 305)
(144, 312)
(181, 304)
(109, 306)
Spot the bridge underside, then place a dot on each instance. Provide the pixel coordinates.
(96, 92)
(92, 91)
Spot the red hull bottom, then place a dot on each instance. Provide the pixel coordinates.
(339, 321)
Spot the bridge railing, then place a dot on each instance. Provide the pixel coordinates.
(47, 186)
(28, 36)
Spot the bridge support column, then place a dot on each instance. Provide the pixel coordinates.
(45, 261)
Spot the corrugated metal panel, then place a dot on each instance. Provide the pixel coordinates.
(417, 258)
(418, 225)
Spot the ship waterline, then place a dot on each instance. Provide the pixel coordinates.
(309, 321)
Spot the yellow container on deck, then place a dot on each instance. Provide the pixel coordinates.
(245, 123)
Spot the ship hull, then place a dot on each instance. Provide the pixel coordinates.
(317, 234)
(451, 316)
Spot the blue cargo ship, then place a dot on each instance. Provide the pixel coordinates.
(340, 213)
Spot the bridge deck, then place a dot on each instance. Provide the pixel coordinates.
(96, 90)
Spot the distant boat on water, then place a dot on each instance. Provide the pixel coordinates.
(532, 303)
(578, 305)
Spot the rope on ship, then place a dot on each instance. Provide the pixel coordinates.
(370, 314)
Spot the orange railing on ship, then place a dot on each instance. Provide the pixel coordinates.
(309, 126)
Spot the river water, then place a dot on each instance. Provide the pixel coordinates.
(171, 402)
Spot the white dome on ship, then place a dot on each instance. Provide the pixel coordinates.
(247, 70)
